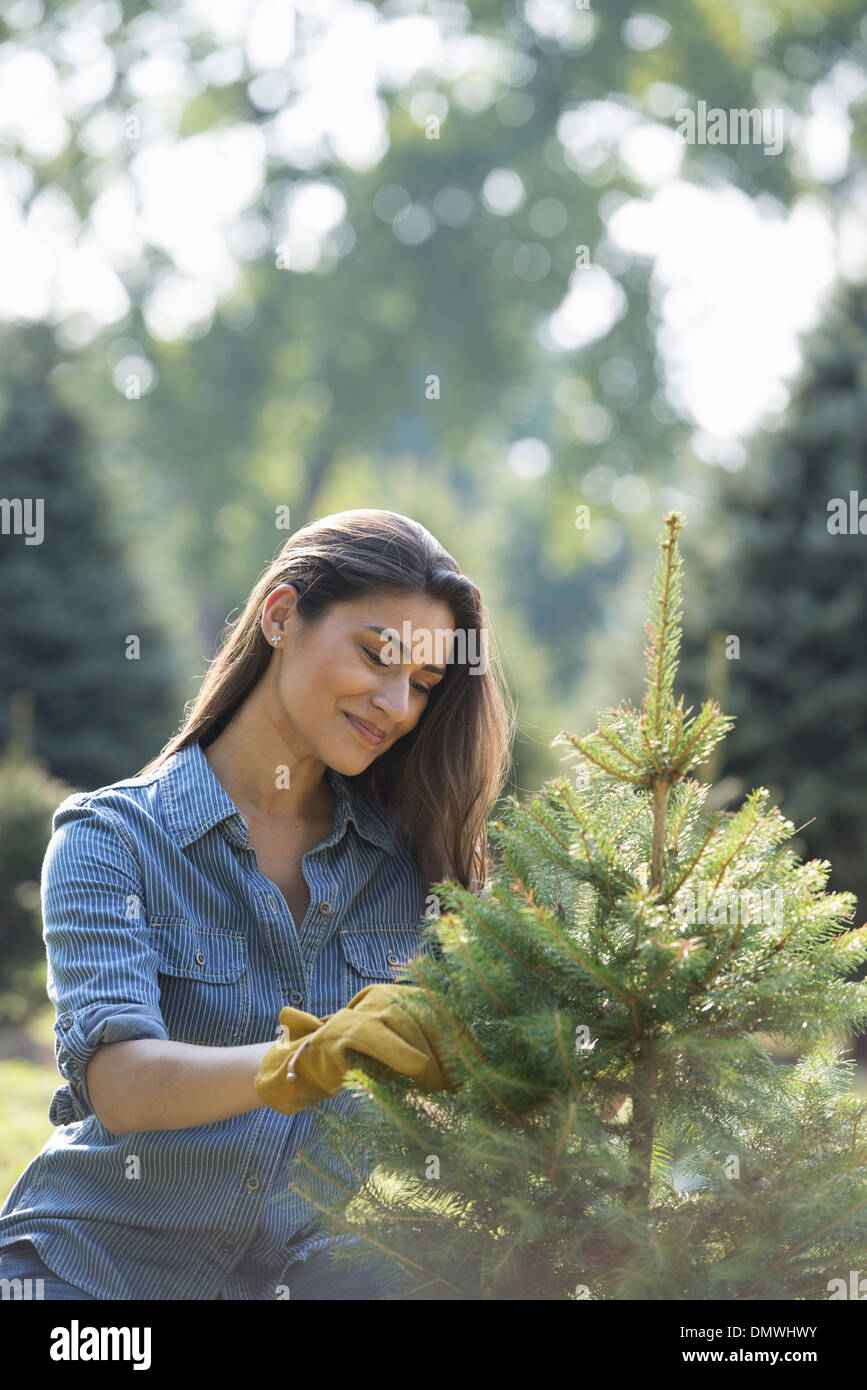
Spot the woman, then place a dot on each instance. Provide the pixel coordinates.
(279, 850)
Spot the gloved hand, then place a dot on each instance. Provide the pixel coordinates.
(310, 1064)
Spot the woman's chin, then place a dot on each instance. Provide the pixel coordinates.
(350, 763)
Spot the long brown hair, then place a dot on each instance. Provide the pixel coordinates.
(443, 777)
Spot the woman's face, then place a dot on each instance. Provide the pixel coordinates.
(332, 676)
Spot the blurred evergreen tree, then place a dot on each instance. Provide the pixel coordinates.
(70, 605)
(29, 796)
(794, 594)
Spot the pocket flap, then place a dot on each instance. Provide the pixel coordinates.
(380, 952)
(198, 953)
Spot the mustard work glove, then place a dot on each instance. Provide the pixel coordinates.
(310, 1065)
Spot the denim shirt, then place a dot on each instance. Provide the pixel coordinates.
(159, 924)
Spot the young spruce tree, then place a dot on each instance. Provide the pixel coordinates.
(619, 1128)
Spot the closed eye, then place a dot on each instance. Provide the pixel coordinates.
(376, 661)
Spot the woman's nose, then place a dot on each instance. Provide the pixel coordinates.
(394, 701)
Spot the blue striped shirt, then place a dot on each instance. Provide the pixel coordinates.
(159, 924)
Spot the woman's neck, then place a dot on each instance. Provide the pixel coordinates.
(258, 770)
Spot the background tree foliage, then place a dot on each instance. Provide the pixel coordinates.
(310, 388)
(795, 595)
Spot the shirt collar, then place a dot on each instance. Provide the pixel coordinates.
(195, 800)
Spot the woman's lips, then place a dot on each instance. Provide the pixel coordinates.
(373, 739)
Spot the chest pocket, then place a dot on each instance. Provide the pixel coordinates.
(204, 981)
(376, 955)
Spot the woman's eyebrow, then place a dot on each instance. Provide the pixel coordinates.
(440, 670)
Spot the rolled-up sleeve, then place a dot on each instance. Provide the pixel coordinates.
(102, 969)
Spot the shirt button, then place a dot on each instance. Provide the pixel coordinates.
(252, 1184)
(295, 997)
(393, 959)
(65, 1022)
(325, 907)
(226, 1246)
(200, 958)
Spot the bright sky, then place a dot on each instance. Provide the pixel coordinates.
(734, 280)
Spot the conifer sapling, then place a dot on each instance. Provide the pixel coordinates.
(620, 1127)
